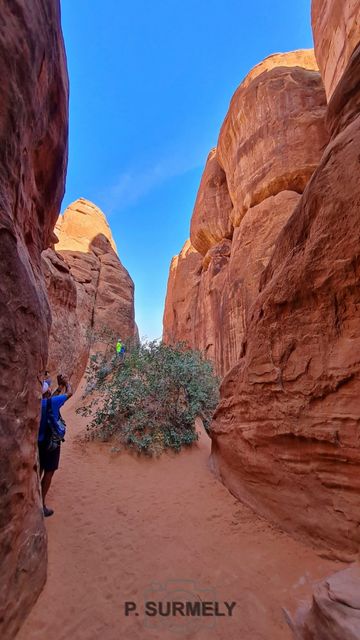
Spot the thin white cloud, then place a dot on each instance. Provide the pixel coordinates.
(134, 184)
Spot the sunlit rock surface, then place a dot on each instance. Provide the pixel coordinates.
(286, 432)
(269, 146)
(91, 293)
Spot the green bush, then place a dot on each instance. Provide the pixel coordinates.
(150, 400)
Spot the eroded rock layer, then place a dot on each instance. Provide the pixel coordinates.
(33, 156)
(182, 294)
(269, 146)
(91, 293)
(274, 132)
(286, 432)
(212, 216)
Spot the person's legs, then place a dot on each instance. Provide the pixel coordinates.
(49, 463)
(45, 483)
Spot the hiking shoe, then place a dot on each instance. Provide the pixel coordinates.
(47, 512)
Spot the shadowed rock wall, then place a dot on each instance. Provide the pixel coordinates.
(33, 156)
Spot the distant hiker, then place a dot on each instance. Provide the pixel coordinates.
(120, 350)
(49, 439)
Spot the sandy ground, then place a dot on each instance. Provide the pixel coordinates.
(130, 529)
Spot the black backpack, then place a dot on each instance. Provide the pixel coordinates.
(56, 429)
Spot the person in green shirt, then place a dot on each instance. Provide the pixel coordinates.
(120, 350)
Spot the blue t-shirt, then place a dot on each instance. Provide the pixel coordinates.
(56, 403)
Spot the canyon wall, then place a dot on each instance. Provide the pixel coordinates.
(268, 148)
(286, 433)
(91, 294)
(33, 157)
(336, 29)
(266, 286)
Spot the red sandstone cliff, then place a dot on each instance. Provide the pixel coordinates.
(286, 432)
(89, 290)
(336, 29)
(269, 146)
(267, 287)
(33, 156)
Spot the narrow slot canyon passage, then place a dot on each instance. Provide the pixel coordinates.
(125, 525)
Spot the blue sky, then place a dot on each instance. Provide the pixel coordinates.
(150, 84)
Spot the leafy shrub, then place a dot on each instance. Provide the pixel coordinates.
(150, 400)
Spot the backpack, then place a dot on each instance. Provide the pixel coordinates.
(56, 429)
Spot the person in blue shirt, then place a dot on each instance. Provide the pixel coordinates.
(49, 460)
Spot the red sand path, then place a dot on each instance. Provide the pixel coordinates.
(122, 523)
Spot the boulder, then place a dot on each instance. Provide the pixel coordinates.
(334, 613)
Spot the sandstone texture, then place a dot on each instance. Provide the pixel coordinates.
(252, 246)
(336, 28)
(33, 157)
(286, 432)
(273, 134)
(65, 328)
(182, 294)
(211, 221)
(335, 610)
(81, 223)
(273, 298)
(269, 146)
(91, 294)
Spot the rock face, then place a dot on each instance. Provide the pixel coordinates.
(81, 223)
(65, 329)
(182, 293)
(335, 610)
(286, 432)
(211, 221)
(269, 146)
(268, 288)
(33, 156)
(89, 290)
(273, 133)
(336, 27)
